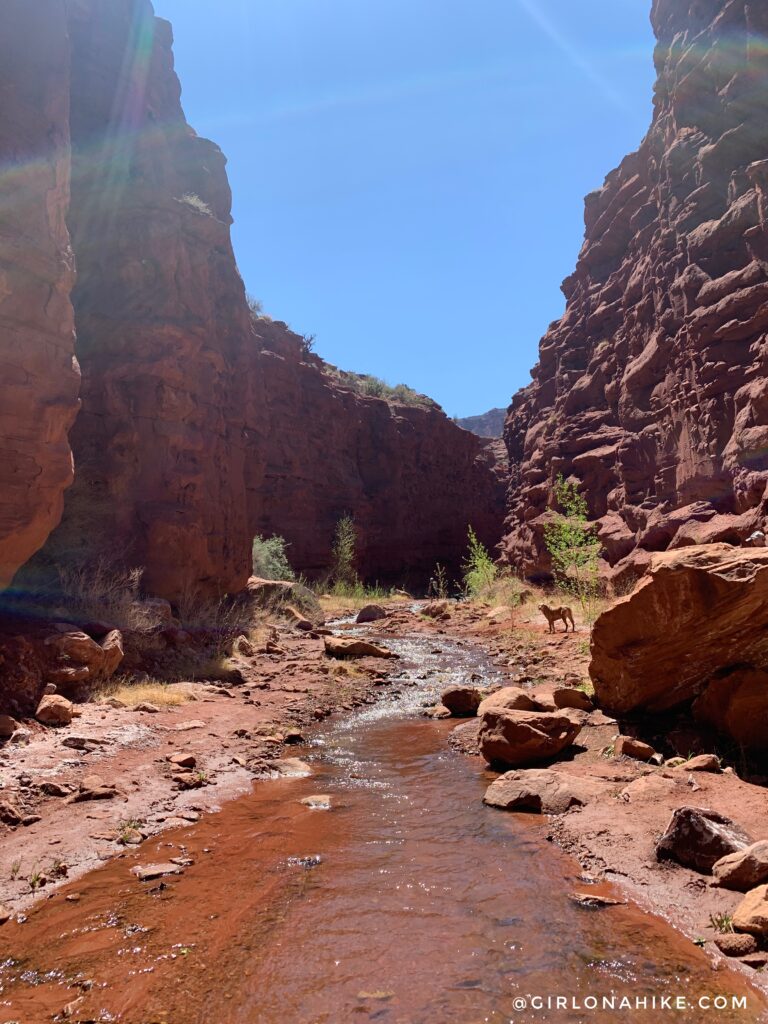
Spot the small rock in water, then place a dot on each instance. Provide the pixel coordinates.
(307, 863)
(318, 802)
(593, 901)
(148, 872)
(290, 767)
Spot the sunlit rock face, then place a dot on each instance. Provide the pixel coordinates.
(652, 389)
(38, 374)
(161, 317)
(200, 425)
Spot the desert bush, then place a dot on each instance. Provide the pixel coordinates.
(375, 387)
(344, 578)
(508, 589)
(270, 560)
(574, 548)
(479, 571)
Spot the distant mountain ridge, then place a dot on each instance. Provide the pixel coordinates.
(488, 424)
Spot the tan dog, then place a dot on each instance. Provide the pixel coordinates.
(553, 615)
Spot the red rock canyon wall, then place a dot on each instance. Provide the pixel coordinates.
(652, 390)
(39, 377)
(200, 426)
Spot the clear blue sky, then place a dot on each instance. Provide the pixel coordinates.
(409, 175)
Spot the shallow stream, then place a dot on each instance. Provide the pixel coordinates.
(408, 902)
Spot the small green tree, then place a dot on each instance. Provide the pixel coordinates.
(344, 551)
(479, 571)
(573, 546)
(270, 560)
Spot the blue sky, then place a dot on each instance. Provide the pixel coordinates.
(408, 175)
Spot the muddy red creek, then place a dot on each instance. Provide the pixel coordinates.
(407, 901)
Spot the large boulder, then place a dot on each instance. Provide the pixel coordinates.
(697, 610)
(82, 661)
(543, 791)
(744, 869)
(508, 698)
(751, 915)
(698, 839)
(54, 709)
(736, 703)
(571, 697)
(518, 738)
(371, 613)
(462, 701)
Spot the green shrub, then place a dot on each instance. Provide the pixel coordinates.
(573, 547)
(375, 387)
(270, 561)
(479, 571)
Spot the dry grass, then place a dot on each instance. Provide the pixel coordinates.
(106, 590)
(335, 606)
(166, 695)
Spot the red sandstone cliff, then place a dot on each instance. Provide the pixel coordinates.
(197, 430)
(413, 480)
(652, 390)
(160, 314)
(38, 374)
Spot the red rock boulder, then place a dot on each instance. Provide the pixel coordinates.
(519, 738)
(697, 610)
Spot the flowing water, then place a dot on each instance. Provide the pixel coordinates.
(407, 902)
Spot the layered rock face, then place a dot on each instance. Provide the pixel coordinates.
(652, 390)
(317, 450)
(200, 425)
(39, 377)
(161, 317)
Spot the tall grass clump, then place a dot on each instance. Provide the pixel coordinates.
(438, 586)
(104, 590)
